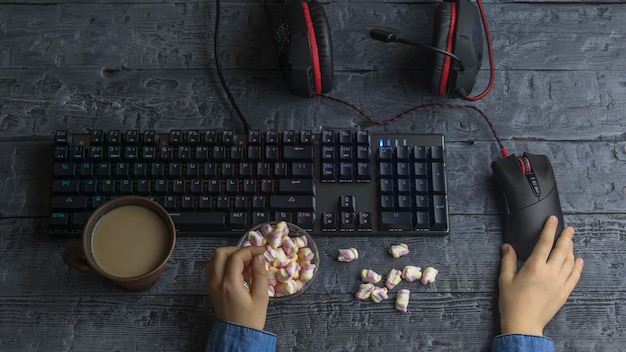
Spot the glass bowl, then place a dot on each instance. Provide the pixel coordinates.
(284, 283)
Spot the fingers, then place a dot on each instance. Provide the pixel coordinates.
(562, 258)
(574, 276)
(214, 270)
(546, 240)
(564, 248)
(508, 266)
(238, 261)
(260, 282)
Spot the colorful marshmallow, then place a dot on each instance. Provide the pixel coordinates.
(364, 291)
(399, 250)
(301, 241)
(289, 245)
(394, 277)
(348, 255)
(429, 275)
(379, 294)
(402, 300)
(307, 272)
(305, 254)
(274, 238)
(370, 276)
(256, 238)
(287, 288)
(411, 273)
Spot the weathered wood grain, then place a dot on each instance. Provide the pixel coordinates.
(180, 36)
(559, 105)
(115, 323)
(79, 65)
(468, 259)
(62, 309)
(437, 322)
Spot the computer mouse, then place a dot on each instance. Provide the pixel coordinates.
(531, 196)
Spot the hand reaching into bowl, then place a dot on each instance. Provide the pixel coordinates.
(234, 300)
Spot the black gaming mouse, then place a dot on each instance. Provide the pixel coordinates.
(531, 196)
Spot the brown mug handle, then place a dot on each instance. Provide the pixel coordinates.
(74, 257)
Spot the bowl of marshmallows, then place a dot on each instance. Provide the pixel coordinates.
(291, 257)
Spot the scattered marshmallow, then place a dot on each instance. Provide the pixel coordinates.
(379, 294)
(398, 250)
(402, 300)
(348, 255)
(394, 277)
(411, 273)
(287, 259)
(365, 291)
(429, 275)
(370, 276)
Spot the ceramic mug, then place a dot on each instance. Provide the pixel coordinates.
(127, 240)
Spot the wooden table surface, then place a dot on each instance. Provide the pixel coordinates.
(560, 90)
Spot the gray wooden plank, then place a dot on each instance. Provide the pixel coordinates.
(47, 306)
(99, 64)
(115, 323)
(435, 321)
(180, 36)
(468, 260)
(557, 105)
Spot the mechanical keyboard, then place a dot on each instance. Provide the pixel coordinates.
(219, 183)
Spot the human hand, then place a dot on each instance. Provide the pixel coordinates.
(232, 300)
(530, 298)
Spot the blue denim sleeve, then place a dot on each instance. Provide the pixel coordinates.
(521, 343)
(229, 337)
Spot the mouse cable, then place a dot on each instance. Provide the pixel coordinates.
(218, 66)
(423, 107)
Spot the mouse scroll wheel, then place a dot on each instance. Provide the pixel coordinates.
(527, 169)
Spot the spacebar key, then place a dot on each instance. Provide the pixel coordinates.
(200, 221)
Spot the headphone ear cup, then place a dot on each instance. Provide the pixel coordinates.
(443, 33)
(457, 30)
(305, 48)
(321, 28)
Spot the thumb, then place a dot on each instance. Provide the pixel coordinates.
(508, 265)
(259, 279)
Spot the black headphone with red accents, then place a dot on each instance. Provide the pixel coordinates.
(306, 57)
(457, 30)
(305, 48)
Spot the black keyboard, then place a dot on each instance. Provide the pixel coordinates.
(216, 183)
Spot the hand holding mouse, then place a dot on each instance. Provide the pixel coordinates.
(530, 298)
(232, 300)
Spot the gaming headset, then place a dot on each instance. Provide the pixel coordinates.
(306, 56)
